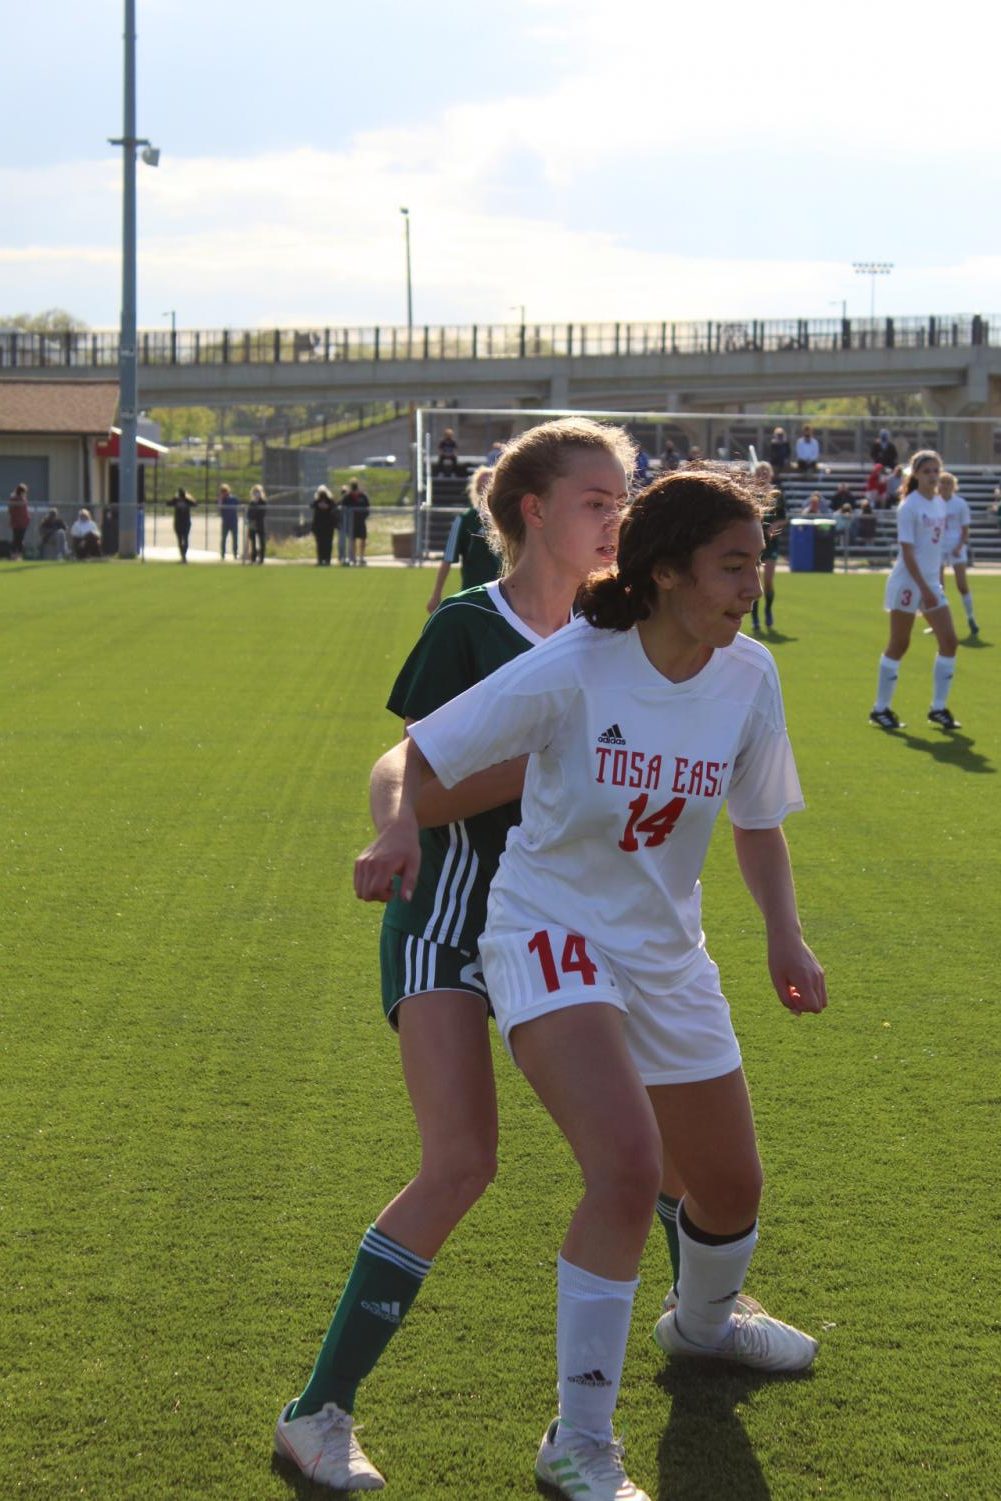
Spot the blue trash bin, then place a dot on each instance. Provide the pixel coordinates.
(801, 545)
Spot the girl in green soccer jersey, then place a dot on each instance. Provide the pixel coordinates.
(773, 521)
(641, 720)
(555, 500)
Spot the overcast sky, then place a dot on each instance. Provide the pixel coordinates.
(586, 159)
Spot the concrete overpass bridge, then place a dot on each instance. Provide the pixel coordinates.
(715, 365)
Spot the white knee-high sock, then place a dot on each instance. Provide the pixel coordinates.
(967, 605)
(711, 1278)
(942, 676)
(888, 674)
(592, 1326)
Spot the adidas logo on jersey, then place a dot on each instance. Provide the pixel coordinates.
(388, 1311)
(612, 736)
(590, 1378)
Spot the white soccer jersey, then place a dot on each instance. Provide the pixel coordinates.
(922, 523)
(957, 515)
(628, 774)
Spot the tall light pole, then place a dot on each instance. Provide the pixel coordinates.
(872, 269)
(128, 399)
(410, 284)
(518, 307)
(172, 315)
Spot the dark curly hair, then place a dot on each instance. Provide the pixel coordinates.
(666, 524)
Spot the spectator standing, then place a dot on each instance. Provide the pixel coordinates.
(52, 535)
(86, 537)
(257, 521)
(326, 520)
(779, 451)
(229, 517)
(467, 542)
(807, 450)
(884, 450)
(20, 519)
(181, 504)
(355, 507)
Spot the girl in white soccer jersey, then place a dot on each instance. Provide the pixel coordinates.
(556, 497)
(955, 553)
(915, 583)
(641, 720)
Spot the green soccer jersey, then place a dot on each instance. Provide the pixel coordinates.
(467, 543)
(468, 637)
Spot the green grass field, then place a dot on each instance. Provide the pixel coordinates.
(201, 1107)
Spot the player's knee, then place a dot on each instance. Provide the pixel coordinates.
(462, 1175)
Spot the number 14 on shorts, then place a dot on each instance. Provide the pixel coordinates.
(574, 959)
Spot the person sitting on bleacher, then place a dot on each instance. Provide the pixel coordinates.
(894, 481)
(816, 505)
(842, 496)
(875, 486)
(85, 536)
(448, 454)
(865, 525)
(52, 535)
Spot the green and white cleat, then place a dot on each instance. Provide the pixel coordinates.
(582, 1469)
(323, 1446)
(752, 1339)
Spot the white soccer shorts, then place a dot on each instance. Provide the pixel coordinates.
(902, 593)
(682, 1036)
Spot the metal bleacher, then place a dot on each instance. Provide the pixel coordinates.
(975, 484)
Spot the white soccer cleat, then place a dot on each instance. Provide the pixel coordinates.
(753, 1339)
(583, 1469)
(323, 1446)
(745, 1303)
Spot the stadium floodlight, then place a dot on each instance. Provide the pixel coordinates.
(410, 284)
(128, 398)
(872, 269)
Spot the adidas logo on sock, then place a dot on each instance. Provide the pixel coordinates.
(590, 1378)
(612, 736)
(388, 1311)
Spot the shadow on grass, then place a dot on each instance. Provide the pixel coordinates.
(976, 643)
(705, 1452)
(949, 749)
(772, 638)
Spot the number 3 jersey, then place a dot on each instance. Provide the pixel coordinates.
(627, 775)
(921, 522)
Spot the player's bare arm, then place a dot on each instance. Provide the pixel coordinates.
(437, 805)
(798, 977)
(396, 850)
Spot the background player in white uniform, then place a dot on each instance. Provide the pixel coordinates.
(556, 498)
(915, 583)
(594, 954)
(955, 547)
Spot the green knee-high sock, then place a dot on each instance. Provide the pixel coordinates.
(384, 1281)
(667, 1213)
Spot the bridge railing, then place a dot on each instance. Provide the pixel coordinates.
(98, 348)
